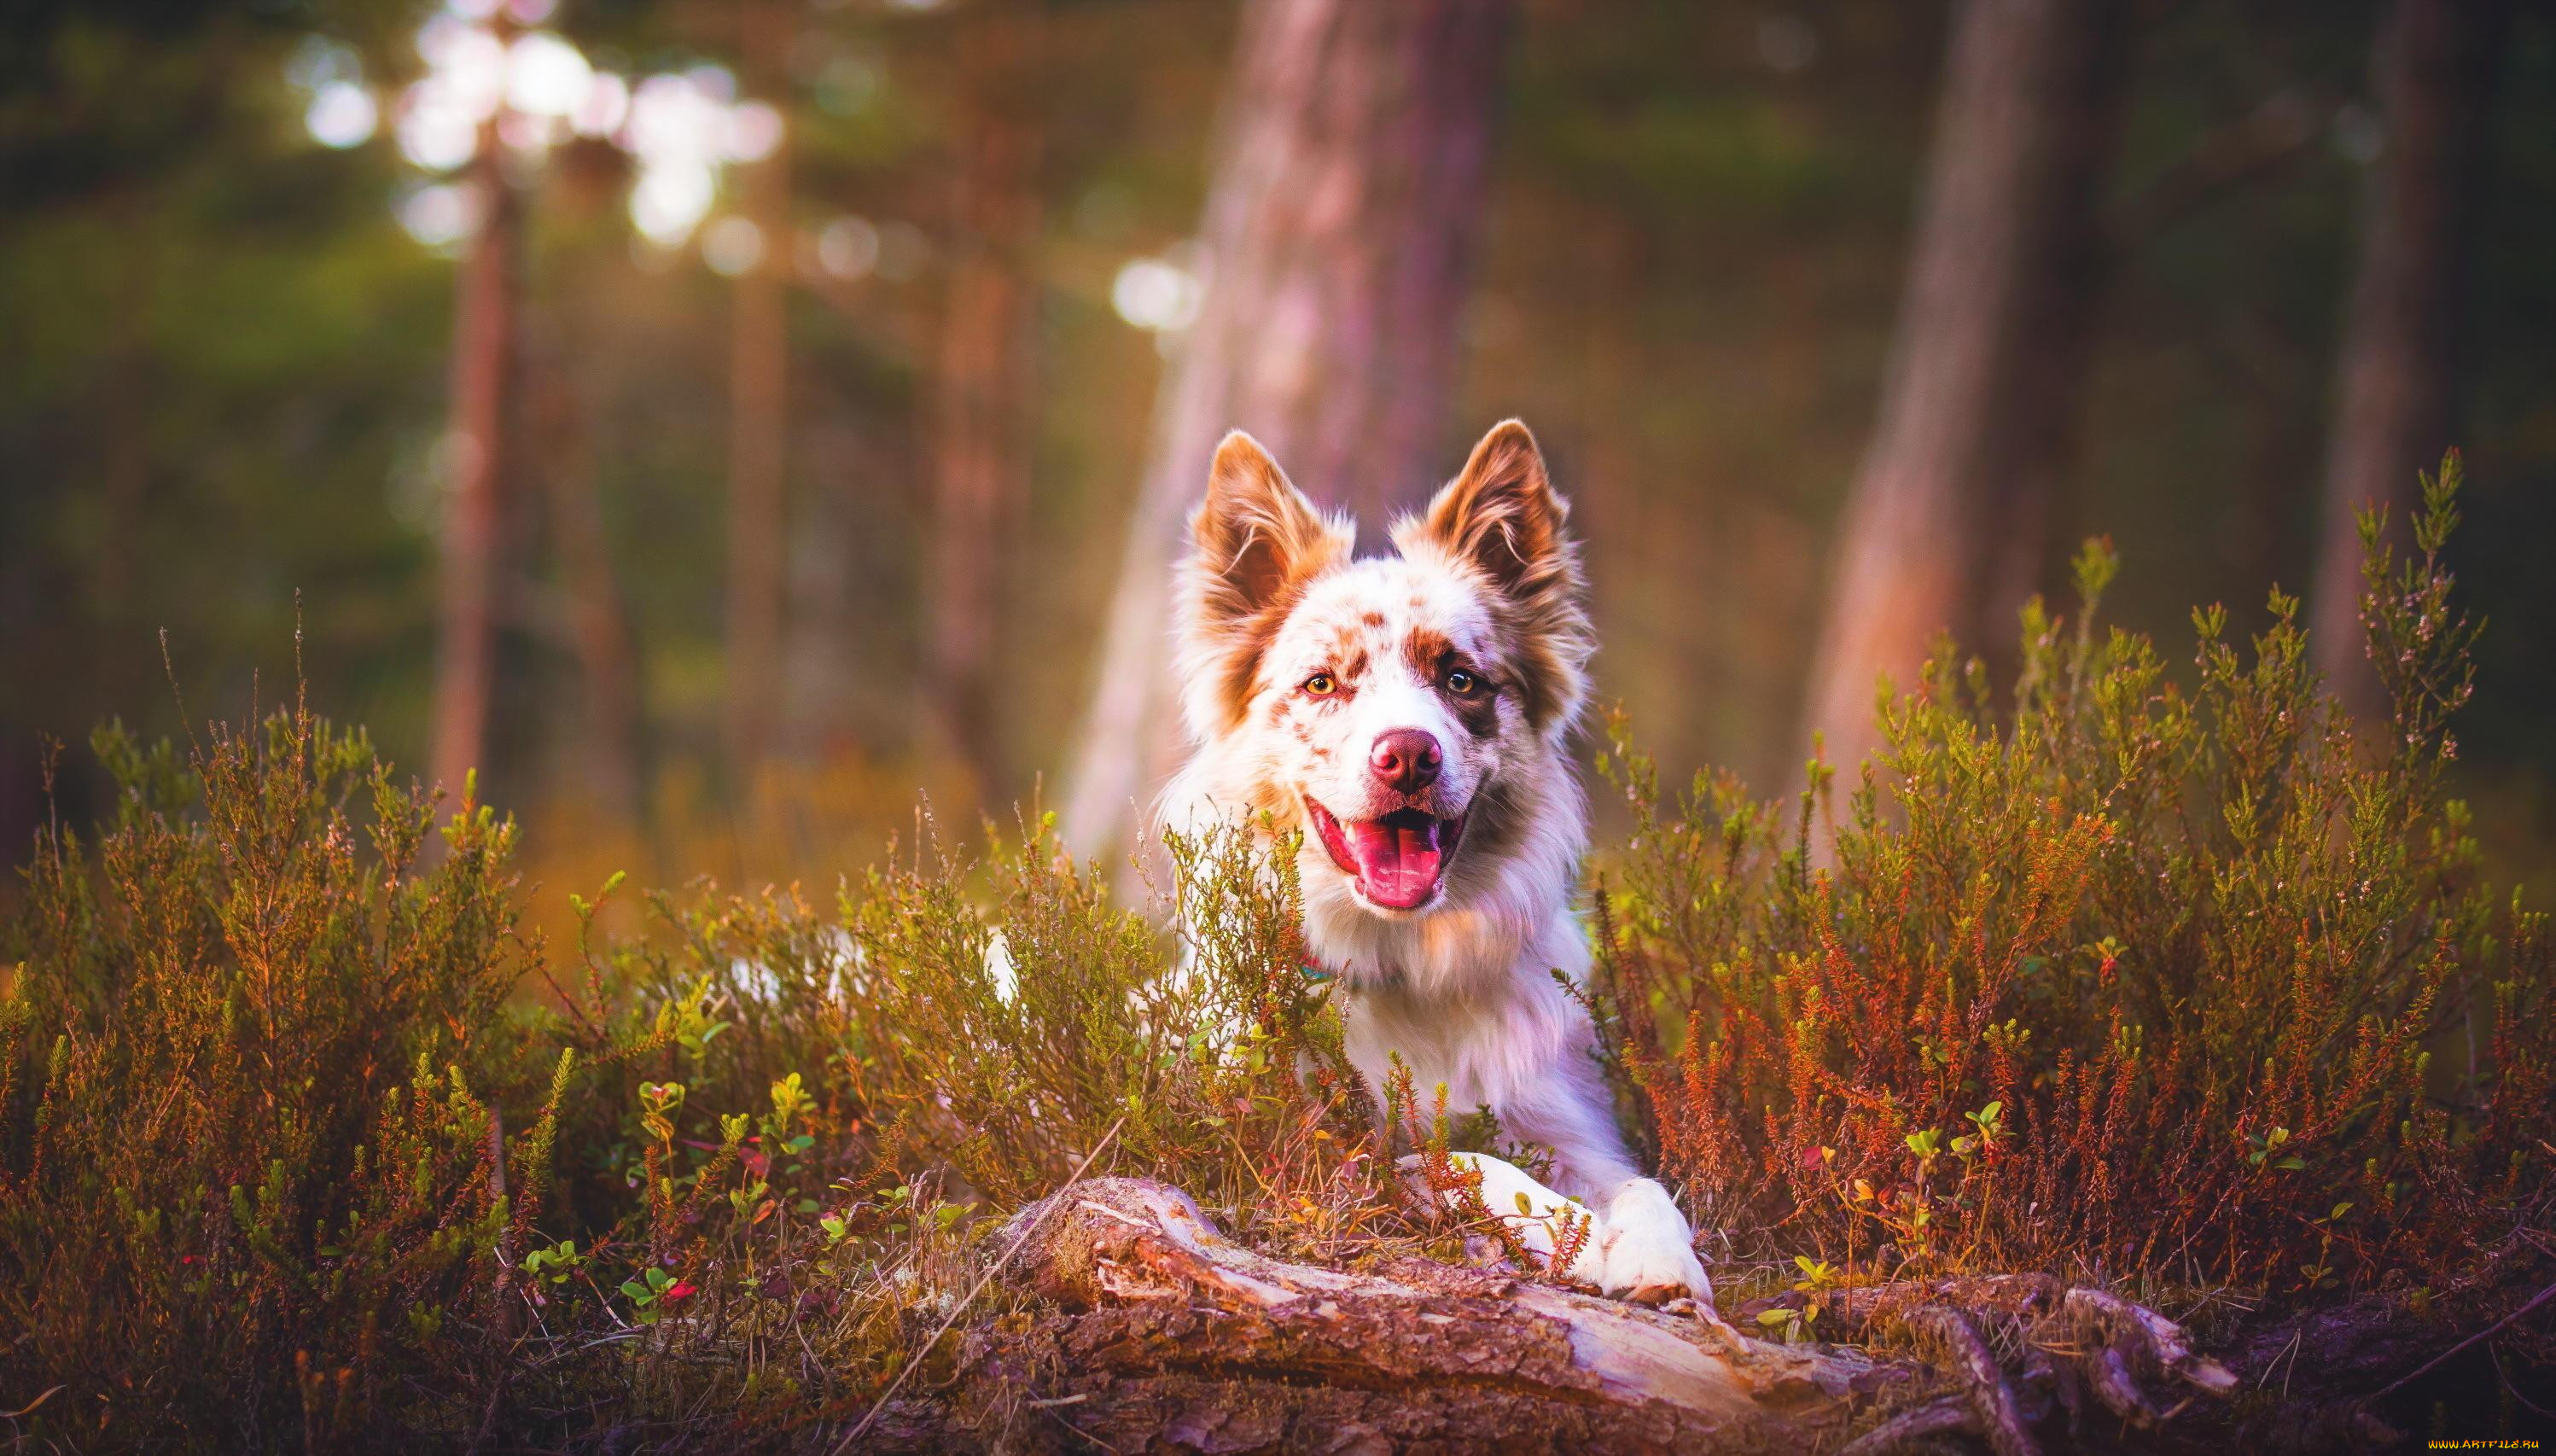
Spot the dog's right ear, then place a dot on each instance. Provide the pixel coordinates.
(1256, 535)
(1254, 542)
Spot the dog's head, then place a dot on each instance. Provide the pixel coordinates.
(1398, 709)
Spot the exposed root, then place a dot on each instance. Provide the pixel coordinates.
(1998, 1415)
(2138, 1330)
(1916, 1428)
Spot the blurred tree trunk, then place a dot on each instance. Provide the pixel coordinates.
(2432, 67)
(599, 620)
(1347, 189)
(1945, 527)
(758, 426)
(982, 414)
(477, 445)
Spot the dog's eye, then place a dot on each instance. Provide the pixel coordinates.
(1461, 683)
(1322, 685)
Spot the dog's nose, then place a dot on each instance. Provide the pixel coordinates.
(1405, 759)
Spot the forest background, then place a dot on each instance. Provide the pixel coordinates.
(712, 421)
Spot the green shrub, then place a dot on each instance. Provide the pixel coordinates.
(2117, 977)
(247, 1163)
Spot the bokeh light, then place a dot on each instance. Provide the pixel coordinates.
(670, 200)
(466, 66)
(440, 216)
(1157, 294)
(848, 247)
(753, 131)
(681, 127)
(732, 248)
(434, 133)
(605, 106)
(320, 61)
(342, 115)
(545, 75)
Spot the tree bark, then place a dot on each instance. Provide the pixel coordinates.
(2432, 67)
(477, 447)
(1348, 188)
(1171, 1337)
(759, 398)
(982, 409)
(1945, 527)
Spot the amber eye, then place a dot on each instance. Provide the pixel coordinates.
(1322, 685)
(1461, 683)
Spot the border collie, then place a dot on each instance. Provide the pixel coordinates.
(1410, 716)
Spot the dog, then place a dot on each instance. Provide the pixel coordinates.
(1408, 716)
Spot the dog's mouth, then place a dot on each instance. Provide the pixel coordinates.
(1398, 859)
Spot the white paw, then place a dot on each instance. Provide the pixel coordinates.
(1533, 1214)
(1645, 1250)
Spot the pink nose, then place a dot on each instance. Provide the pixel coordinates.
(1405, 760)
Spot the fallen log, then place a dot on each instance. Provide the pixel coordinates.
(1170, 1337)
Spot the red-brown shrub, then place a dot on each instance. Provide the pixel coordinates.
(2121, 976)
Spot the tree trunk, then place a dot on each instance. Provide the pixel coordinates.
(598, 621)
(1946, 524)
(2432, 67)
(758, 392)
(982, 412)
(1347, 189)
(1171, 1337)
(477, 447)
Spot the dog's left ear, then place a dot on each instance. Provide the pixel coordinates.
(1501, 517)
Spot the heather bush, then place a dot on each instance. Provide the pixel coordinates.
(302, 1142)
(2111, 975)
(305, 1143)
(249, 1159)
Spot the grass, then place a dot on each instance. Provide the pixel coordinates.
(305, 1141)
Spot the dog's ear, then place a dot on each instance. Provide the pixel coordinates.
(1254, 542)
(1256, 535)
(1501, 517)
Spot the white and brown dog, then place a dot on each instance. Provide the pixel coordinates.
(1410, 715)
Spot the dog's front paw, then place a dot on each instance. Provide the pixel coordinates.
(1645, 1250)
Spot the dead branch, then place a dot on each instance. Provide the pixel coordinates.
(1168, 1335)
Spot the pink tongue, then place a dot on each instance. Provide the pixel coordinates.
(1397, 864)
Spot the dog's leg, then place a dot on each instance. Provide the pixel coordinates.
(1532, 1213)
(1644, 1248)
